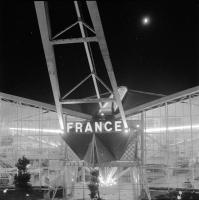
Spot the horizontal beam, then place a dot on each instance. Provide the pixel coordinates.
(79, 101)
(74, 40)
(160, 101)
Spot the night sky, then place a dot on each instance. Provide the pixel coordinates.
(161, 57)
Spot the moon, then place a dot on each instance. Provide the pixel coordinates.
(146, 20)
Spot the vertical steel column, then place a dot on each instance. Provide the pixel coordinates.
(45, 31)
(16, 153)
(142, 150)
(144, 183)
(142, 139)
(66, 157)
(133, 182)
(118, 183)
(88, 53)
(192, 145)
(40, 152)
(83, 180)
(64, 182)
(145, 144)
(95, 17)
(66, 178)
(167, 141)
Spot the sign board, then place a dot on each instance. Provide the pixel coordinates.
(94, 127)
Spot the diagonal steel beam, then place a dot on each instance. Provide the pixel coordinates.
(88, 53)
(44, 27)
(95, 17)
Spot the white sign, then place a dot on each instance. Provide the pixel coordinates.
(94, 127)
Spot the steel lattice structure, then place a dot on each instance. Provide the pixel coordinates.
(49, 41)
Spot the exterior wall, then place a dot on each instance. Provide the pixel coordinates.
(170, 143)
(29, 131)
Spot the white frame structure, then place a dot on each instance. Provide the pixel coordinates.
(48, 42)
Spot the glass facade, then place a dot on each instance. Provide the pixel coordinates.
(31, 131)
(170, 142)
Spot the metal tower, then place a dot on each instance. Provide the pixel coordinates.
(49, 41)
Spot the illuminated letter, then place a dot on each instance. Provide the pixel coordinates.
(78, 127)
(118, 126)
(88, 127)
(69, 126)
(105, 126)
(98, 126)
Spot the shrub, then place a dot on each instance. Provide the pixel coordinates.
(93, 186)
(22, 178)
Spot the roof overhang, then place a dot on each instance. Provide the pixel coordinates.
(156, 103)
(39, 104)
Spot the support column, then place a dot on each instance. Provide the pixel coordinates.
(64, 165)
(40, 147)
(142, 174)
(167, 143)
(119, 170)
(65, 181)
(65, 176)
(142, 140)
(192, 144)
(83, 180)
(134, 184)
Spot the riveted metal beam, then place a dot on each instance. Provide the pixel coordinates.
(45, 31)
(95, 17)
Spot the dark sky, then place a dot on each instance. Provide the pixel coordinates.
(160, 58)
